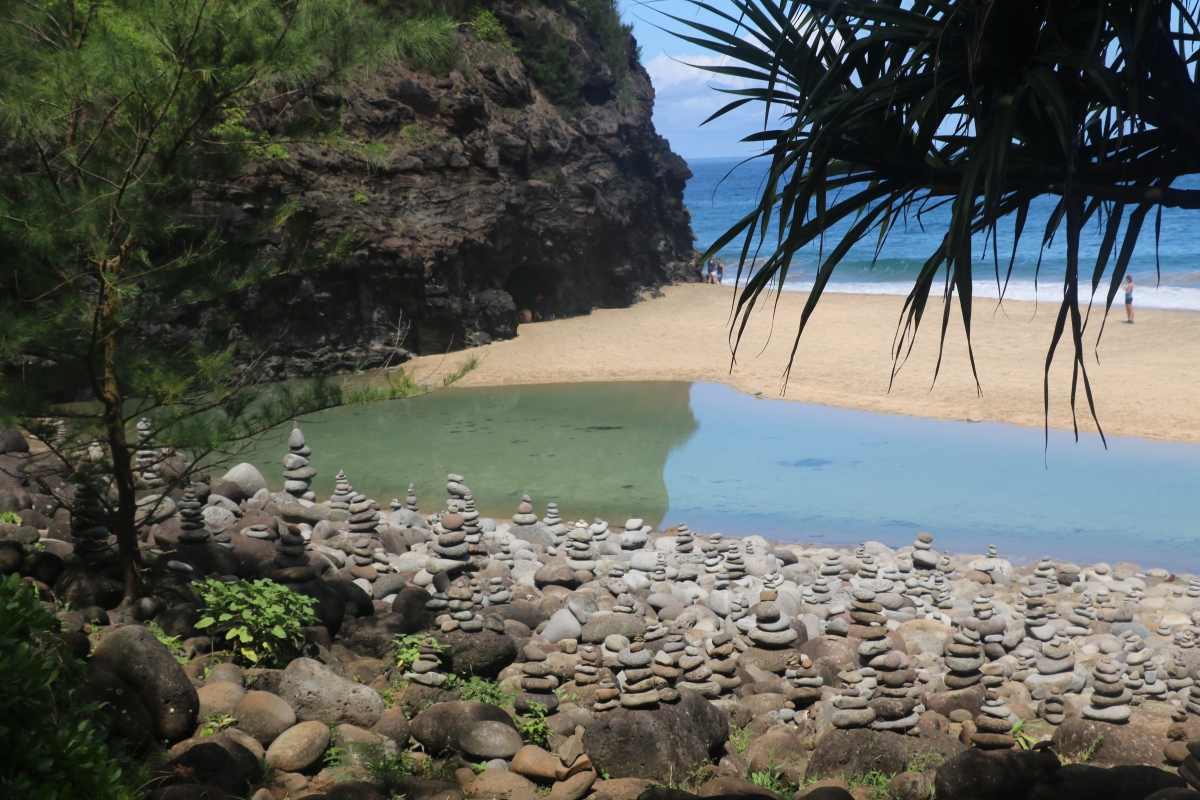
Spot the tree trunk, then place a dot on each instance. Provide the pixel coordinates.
(125, 518)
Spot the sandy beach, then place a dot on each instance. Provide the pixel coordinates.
(1145, 383)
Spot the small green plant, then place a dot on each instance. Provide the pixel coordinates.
(277, 152)
(217, 722)
(533, 727)
(415, 135)
(170, 642)
(374, 155)
(260, 617)
(1090, 751)
(482, 690)
(361, 197)
(566, 696)
(1022, 733)
(769, 780)
(488, 29)
(408, 648)
(10, 517)
(468, 364)
(877, 784)
(739, 738)
(389, 773)
(337, 757)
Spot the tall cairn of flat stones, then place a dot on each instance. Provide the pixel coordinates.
(537, 683)
(297, 474)
(1110, 697)
(89, 525)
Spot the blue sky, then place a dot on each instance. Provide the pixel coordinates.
(685, 96)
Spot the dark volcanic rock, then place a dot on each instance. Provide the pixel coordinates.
(657, 744)
(484, 653)
(856, 752)
(144, 663)
(478, 198)
(439, 726)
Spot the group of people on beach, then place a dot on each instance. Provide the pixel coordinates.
(716, 271)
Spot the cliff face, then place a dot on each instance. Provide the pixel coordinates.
(463, 198)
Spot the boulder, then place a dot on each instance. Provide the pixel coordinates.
(657, 744)
(440, 726)
(263, 715)
(225, 764)
(489, 739)
(836, 652)
(484, 653)
(144, 663)
(574, 787)
(12, 441)
(856, 752)
(1127, 782)
(353, 790)
(247, 478)
(393, 725)
(219, 697)
(125, 714)
(606, 623)
(556, 574)
(909, 786)
(528, 614)
(409, 603)
(773, 751)
(1139, 741)
(733, 785)
(502, 783)
(993, 774)
(562, 625)
(299, 747)
(315, 693)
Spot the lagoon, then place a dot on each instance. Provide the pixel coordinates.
(720, 460)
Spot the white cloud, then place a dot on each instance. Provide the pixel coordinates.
(667, 71)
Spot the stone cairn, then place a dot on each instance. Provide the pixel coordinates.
(462, 608)
(722, 663)
(364, 515)
(426, 669)
(147, 459)
(806, 683)
(850, 707)
(608, 695)
(923, 556)
(600, 535)
(993, 726)
(524, 516)
(772, 577)
(685, 546)
(1053, 708)
(191, 520)
(297, 474)
(1055, 667)
(1110, 698)
(666, 674)
(580, 555)
(450, 548)
(505, 543)
(290, 554)
(457, 491)
(472, 532)
(964, 657)
(1079, 621)
(537, 683)
(636, 677)
(991, 626)
(696, 674)
(410, 501)
(343, 493)
(868, 570)
(773, 628)
(88, 524)
(555, 527)
(713, 557)
(587, 671)
(497, 594)
(734, 565)
(894, 700)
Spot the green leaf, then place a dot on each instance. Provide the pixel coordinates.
(204, 623)
(278, 631)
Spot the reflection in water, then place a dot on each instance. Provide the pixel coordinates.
(797, 472)
(596, 449)
(722, 461)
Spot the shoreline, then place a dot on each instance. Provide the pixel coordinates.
(1144, 383)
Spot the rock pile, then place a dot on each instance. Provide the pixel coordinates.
(297, 474)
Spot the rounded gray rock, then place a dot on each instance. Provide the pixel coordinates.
(144, 663)
(263, 716)
(315, 693)
(487, 740)
(299, 747)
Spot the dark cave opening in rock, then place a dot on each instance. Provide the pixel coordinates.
(536, 289)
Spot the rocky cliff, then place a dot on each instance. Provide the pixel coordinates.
(460, 199)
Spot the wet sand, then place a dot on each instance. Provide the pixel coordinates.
(1146, 381)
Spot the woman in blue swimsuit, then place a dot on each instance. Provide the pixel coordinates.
(1129, 299)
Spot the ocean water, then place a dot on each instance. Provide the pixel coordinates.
(723, 190)
(719, 460)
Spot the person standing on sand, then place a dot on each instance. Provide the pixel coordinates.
(1129, 299)
(720, 272)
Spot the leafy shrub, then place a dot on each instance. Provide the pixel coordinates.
(533, 727)
(260, 617)
(549, 61)
(614, 35)
(426, 42)
(48, 750)
(10, 517)
(488, 29)
(482, 690)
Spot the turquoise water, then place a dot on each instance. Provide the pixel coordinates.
(718, 460)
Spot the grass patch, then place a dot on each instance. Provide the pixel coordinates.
(549, 61)
(487, 28)
(482, 690)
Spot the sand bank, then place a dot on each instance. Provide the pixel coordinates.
(1146, 381)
